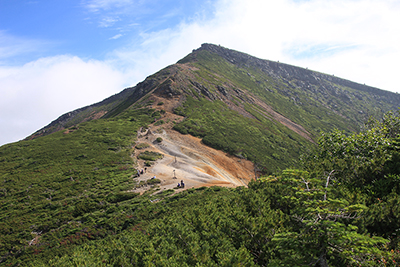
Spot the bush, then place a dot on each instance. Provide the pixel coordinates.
(153, 181)
(159, 139)
(150, 155)
(121, 196)
(156, 114)
(83, 207)
(158, 122)
(142, 145)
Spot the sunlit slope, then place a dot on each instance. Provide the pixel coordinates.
(314, 100)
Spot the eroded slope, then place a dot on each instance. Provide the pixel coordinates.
(186, 158)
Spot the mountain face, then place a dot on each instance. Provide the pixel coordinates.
(233, 74)
(216, 117)
(236, 103)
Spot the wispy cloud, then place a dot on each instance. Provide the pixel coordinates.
(13, 46)
(99, 5)
(108, 21)
(315, 51)
(118, 15)
(117, 36)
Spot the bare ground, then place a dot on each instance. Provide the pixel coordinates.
(186, 158)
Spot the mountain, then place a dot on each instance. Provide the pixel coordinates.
(218, 73)
(216, 117)
(236, 103)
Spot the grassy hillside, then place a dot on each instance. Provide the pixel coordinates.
(315, 101)
(56, 189)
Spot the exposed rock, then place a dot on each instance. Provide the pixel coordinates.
(222, 90)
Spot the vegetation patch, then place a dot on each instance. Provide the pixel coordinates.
(150, 156)
(150, 182)
(121, 196)
(142, 146)
(148, 163)
(153, 181)
(159, 122)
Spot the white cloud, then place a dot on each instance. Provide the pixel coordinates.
(38, 92)
(353, 39)
(116, 36)
(108, 22)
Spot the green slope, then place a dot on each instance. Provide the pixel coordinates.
(314, 100)
(60, 186)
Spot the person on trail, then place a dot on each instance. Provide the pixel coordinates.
(141, 172)
(138, 173)
(145, 169)
(179, 185)
(182, 184)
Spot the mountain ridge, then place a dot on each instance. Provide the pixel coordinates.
(283, 69)
(304, 78)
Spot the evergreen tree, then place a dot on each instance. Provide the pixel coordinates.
(321, 231)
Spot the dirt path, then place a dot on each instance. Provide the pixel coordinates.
(189, 160)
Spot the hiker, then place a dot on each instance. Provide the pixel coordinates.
(154, 177)
(179, 185)
(141, 172)
(145, 169)
(182, 184)
(138, 173)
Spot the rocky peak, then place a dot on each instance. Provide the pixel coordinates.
(303, 77)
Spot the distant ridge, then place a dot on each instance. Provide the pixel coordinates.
(279, 69)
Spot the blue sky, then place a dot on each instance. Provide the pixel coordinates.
(56, 56)
(88, 29)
